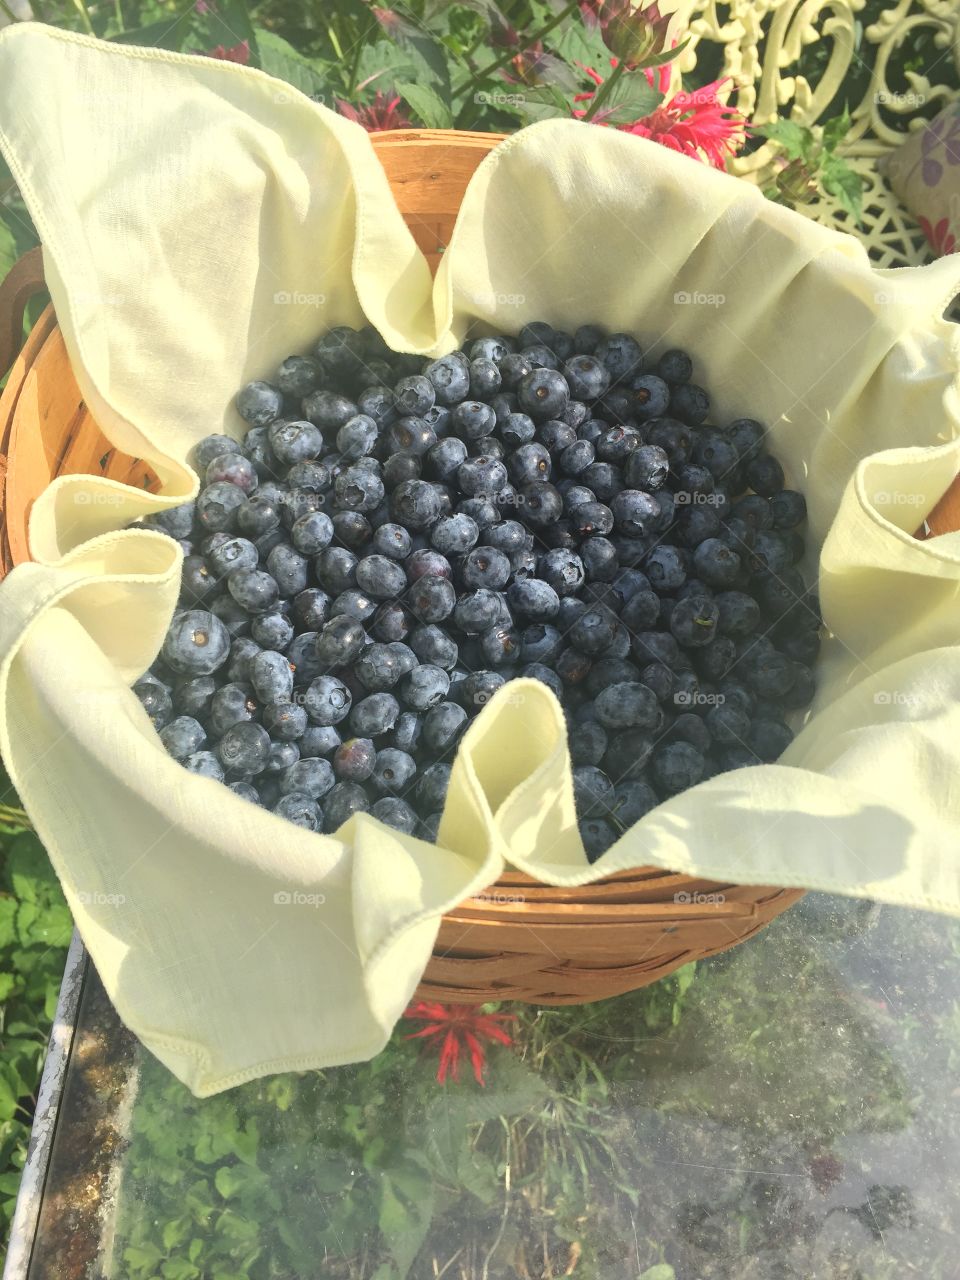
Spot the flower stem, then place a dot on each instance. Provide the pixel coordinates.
(81, 9)
(604, 91)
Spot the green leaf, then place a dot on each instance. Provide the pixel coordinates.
(428, 105)
(229, 1179)
(630, 98)
(179, 1269)
(545, 102)
(846, 186)
(796, 139)
(279, 58)
(8, 921)
(405, 1223)
(835, 130)
(142, 1256)
(429, 56)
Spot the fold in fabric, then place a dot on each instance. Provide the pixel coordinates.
(200, 222)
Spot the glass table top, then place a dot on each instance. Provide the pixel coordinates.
(786, 1111)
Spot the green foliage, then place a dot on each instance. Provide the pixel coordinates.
(815, 164)
(35, 928)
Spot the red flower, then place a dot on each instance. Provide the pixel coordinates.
(237, 53)
(455, 1026)
(695, 124)
(382, 113)
(940, 237)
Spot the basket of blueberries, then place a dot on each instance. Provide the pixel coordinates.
(390, 539)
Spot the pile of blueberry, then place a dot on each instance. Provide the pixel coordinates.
(394, 539)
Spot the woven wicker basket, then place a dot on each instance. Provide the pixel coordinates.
(521, 940)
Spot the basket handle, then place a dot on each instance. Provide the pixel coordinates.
(24, 281)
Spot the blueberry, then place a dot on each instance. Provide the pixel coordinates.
(413, 396)
(481, 477)
(689, 402)
(442, 726)
(593, 791)
(380, 577)
(299, 809)
(427, 563)
(244, 749)
(629, 753)
(450, 376)
(285, 721)
(190, 698)
(588, 742)
(666, 567)
(485, 567)
(407, 731)
(245, 791)
(196, 644)
(357, 490)
(768, 674)
(764, 475)
(312, 777)
(312, 532)
(377, 668)
(478, 688)
(603, 478)
(739, 613)
(693, 621)
(415, 504)
(327, 700)
(328, 410)
(253, 589)
(597, 835)
(635, 512)
(335, 568)
(394, 541)
(768, 739)
(620, 354)
(205, 763)
(651, 396)
(529, 463)
(431, 598)
(271, 676)
(374, 715)
(442, 460)
(770, 552)
(183, 736)
(259, 403)
(318, 740)
(626, 706)
(634, 799)
(477, 611)
(431, 787)
(424, 687)
(472, 420)
(573, 666)
(540, 644)
(675, 766)
(289, 569)
(543, 393)
(396, 813)
(453, 535)
(218, 506)
(298, 376)
(675, 366)
(176, 522)
(716, 658)
(281, 756)
(747, 436)
(586, 377)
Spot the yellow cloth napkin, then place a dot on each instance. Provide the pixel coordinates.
(182, 203)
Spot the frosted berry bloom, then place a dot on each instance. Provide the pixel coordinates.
(455, 1028)
(695, 124)
(383, 113)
